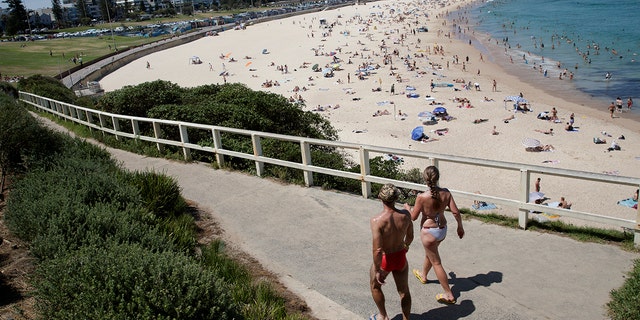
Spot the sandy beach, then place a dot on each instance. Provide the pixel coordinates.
(389, 41)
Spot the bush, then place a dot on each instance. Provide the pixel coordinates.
(126, 281)
(47, 87)
(160, 193)
(8, 89)
(138, 100)
(97, 226)
(78, 177)
(22, 140)
(625, 301)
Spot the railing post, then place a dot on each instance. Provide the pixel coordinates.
(134, 126)
(217, 144)
(157, 135)
(523, 215)
(101, 117)
(306, 160)
(116, 126)
(257, 152)
(184, 138)
(73, 113)
(365, 170)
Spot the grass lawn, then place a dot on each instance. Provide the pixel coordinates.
(29, 58)
(20, 60)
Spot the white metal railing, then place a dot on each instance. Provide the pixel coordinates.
(111, 123)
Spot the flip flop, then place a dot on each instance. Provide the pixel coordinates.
(440, 297)
(418, 276)
(374, 317)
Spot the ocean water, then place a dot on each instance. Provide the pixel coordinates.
(589, 38)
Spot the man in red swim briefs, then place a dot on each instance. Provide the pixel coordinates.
(392, 232)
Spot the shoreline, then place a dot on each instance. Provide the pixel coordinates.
(383, 36)
(559, 90)
(592, 105)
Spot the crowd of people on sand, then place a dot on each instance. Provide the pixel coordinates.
(618, 104)
(563, 203)
(297, 98)
(325, 108)
(270, 83)
(384, 112)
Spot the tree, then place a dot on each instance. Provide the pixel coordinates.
(143, 8)
(58, 13)
(17, 17)
(105, 10)
(81, 5)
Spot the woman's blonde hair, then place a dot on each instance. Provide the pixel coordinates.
(431, 175)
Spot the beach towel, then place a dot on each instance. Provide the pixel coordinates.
(413, 95)
(484, 206)
(628, 202)
(545, 217)
(382, 103)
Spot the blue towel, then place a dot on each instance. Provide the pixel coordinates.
(628, 202)
(484, 206)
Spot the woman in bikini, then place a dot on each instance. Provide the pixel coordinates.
(433, 225)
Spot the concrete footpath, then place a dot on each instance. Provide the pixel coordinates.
(319, 243)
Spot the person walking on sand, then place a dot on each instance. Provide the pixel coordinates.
(392, 233)
(495, 86)
(537, 185)
(629, 104)
(433, 229)
(393, 89)
(612, 109)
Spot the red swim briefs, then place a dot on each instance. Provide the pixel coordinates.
(394, 261)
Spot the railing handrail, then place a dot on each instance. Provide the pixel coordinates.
(78, 113)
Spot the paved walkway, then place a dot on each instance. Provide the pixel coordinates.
(319, 243)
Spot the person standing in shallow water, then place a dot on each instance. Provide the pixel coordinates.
(392, 233)
(433, 229)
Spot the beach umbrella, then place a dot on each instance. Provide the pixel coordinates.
(533, 196)
(327, 71)
(425, 114)
(531, 142)
(516, 99)
(439, 110)
(417, 133)
(315, 67)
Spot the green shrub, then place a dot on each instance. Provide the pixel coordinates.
(126, 281)
(181, 231)
(47, 87)
(160, 194)
(69, 182)
(625, 301)
(258, 300)
(22, 140)
(138, 100)
(8, 89)
(97, 226)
